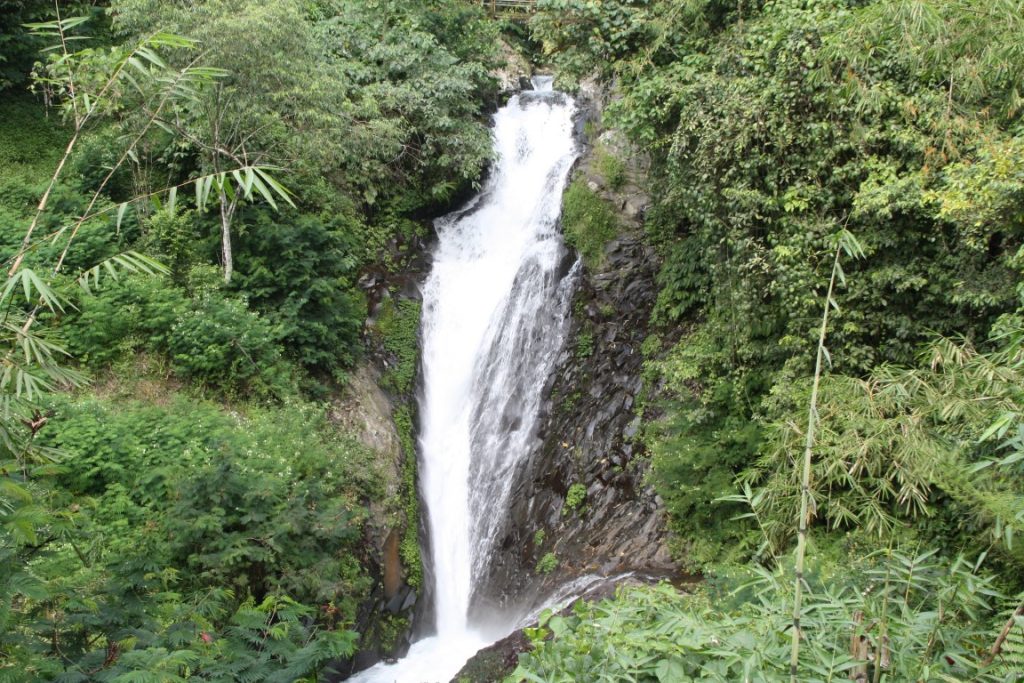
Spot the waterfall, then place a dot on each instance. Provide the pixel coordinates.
(495, 312)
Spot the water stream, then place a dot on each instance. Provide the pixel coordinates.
(495, 312)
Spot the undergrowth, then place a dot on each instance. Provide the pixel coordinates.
(588, 222)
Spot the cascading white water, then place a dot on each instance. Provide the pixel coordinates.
(495, 315)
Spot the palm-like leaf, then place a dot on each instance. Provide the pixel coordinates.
(113, 267)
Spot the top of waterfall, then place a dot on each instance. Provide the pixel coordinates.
(543, 83)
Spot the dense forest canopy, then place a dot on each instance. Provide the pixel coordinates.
(192, 192)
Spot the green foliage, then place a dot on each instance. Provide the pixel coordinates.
(389, 630)
(299, 271)
(588, 223)
(574, 497)
(189, 521)
(223, 346)
(271, 640)
(213, 340)
(599, 34)
(391, 110)
(702, 442)
(132, 315)
(1011, 655)
(547, 564)
(398, 326)
(931, 444)
(29, 146)
(410, 545)
(428, 106)
(174, 237)
(570, 401)
(611, 168)
(538, 537)
(177, 540)
(585, 344)
(769, 126)
(928, 619)
(19, 48)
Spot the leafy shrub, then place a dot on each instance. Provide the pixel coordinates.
(275, 514)
(759, 147)
(704, 439)
(547, 564)
(683, 281)
(927, 619)
(224, 346)
(587, 35)
(192, 520)
(132, 314)
(105, 446)
(574, 497)
(299, 271)
(446, 50)
(174, 237)
(588, 222)
(213, 339)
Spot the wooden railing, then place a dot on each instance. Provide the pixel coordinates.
(510, 8)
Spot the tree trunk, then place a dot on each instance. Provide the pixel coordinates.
(227, 212)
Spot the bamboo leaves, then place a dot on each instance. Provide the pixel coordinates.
(127, 262)
(33, 287)
(909, 617)
(32, 365)
(239, 184)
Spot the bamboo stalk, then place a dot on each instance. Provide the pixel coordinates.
(997, 646)
(805, 483)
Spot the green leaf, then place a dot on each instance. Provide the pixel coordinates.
(35, 289)
(121, 209)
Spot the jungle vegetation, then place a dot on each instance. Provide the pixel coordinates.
(835, 420)
(189, 193)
